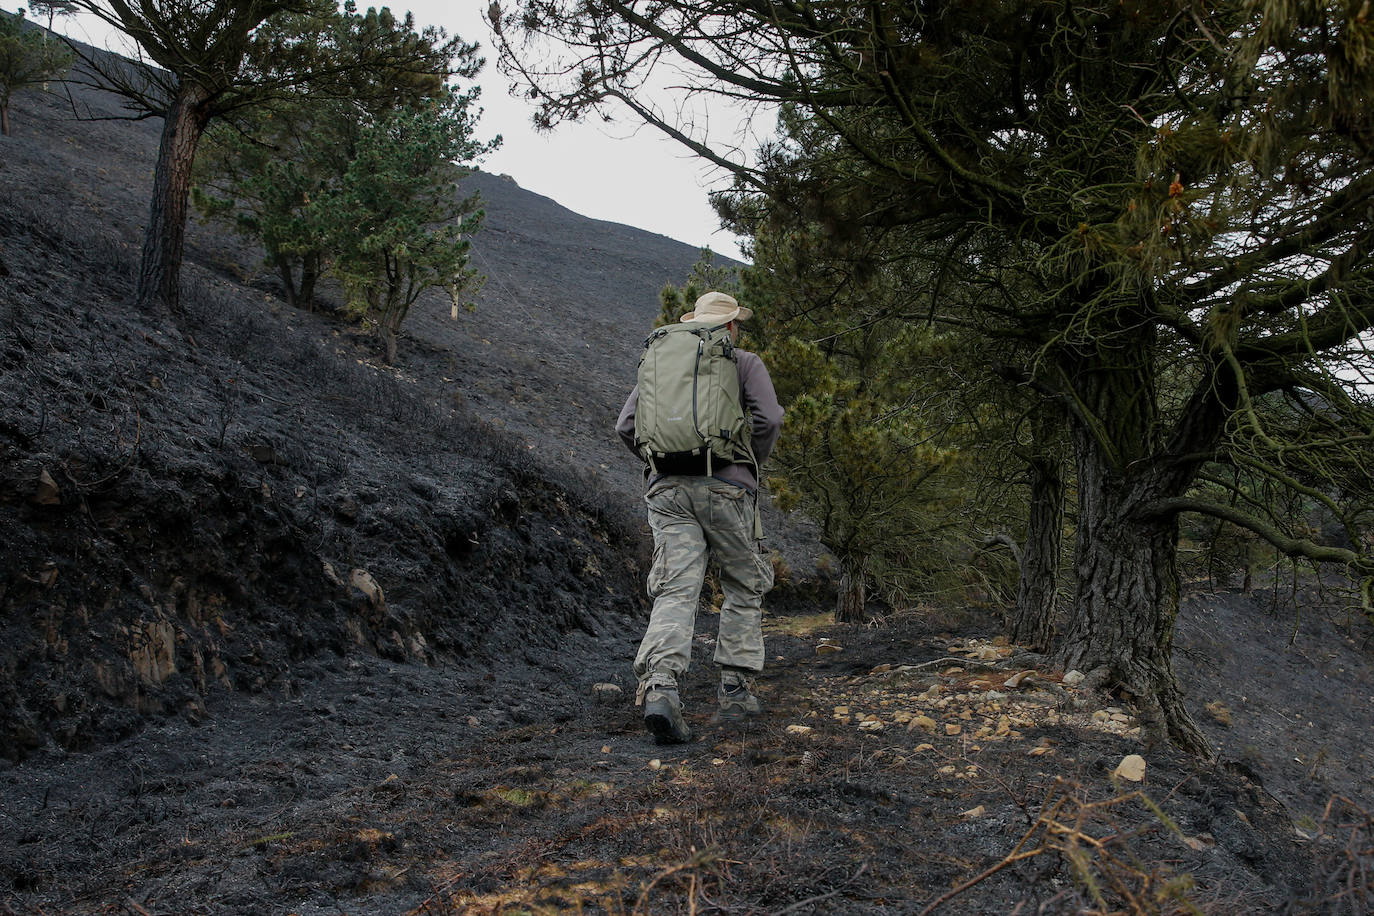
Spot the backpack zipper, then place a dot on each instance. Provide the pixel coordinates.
(696, 375)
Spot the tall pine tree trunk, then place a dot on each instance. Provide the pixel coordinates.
(1127, 586)
(1031, 622)
(1127, 599)
(159, 274)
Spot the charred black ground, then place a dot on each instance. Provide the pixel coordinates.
(284, 631)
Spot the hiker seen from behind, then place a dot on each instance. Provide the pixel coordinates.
(703, 417)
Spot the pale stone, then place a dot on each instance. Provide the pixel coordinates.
(1073, 678)
(606, 692)
(46, 492)
(1131, 768)
(363, 581)
(952, 729)
(974, 812)
(925, 723)
(799, 729)
(330, 574)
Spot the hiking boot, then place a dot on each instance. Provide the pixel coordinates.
(663, 716)
(734, 699)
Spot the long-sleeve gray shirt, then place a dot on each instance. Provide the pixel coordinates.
(756, 391)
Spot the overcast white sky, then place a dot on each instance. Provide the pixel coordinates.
(623, 172)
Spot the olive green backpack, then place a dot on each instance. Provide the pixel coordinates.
(690, 415)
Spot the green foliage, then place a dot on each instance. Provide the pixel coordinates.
(870, 450)
(704, 277)
(27, 59)
(395, 220)
(1155, 215)
(361, 182)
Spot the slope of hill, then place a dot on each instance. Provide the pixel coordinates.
(284, 631)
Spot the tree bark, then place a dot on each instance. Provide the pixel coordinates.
(852, 600)
(1031, 622)
(1126, 550)
(4, 119)
(159, 274)
(288, 280)
(310, 274)
(299, 295)
(388, 338)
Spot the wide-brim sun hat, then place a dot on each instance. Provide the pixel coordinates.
(718, 307)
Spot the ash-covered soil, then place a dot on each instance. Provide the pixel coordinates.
(895, 773)
(285, 631)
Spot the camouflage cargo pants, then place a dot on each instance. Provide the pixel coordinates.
(693, 519)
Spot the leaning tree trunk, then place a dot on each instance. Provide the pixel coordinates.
(1031, 621)
(159, 273)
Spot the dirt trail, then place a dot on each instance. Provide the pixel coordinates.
(373, 787)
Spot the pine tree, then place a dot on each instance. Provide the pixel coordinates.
(26, 60)
(1164, 209)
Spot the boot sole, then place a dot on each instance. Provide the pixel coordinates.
(661, 727)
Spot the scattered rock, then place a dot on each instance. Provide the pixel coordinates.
(330, 574)
(826, 647)
(1073, 677)
(607, 693)
(46, 492)
(925, 723)
(1020, 679)
(799, 729)
(362, 580)
(1131, 768)
(974, 812)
